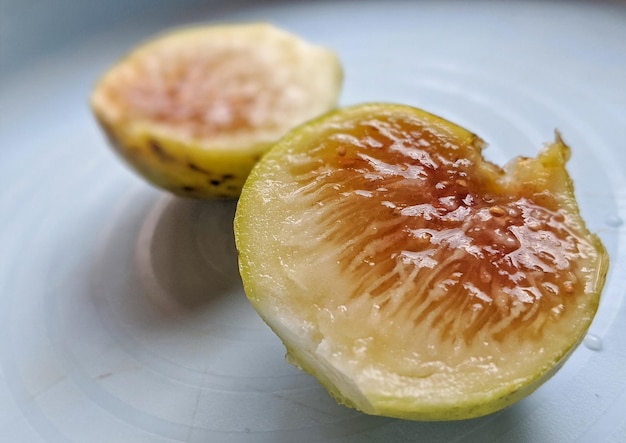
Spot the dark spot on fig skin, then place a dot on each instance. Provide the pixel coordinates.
(188, 188)
(197, 168)
(215, 182)
(159, 152)
(228, 177)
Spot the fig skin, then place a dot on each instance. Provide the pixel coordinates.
(307, 306)
(165, 135)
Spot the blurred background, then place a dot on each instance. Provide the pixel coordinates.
(32, 28)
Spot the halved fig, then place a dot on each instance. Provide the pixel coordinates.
(194, 109)
(412, 277)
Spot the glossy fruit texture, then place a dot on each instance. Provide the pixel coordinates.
(412, 277)
(193, 110)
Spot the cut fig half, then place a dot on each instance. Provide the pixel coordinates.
(408, 274)
(194, 109)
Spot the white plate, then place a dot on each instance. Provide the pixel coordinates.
(122, 317)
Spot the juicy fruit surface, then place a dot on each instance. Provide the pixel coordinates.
(193, 110)
(409, 275)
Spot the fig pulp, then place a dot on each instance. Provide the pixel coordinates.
(194, 109)
(408, 274)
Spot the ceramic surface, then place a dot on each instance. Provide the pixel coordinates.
(122, 316)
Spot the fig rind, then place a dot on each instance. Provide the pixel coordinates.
(297, 233)
(194, 109)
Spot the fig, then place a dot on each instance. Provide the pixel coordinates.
(411, 276)
(193, 110)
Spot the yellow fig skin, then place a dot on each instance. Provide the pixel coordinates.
(194, 109)
(184, 168)
(358, 342)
